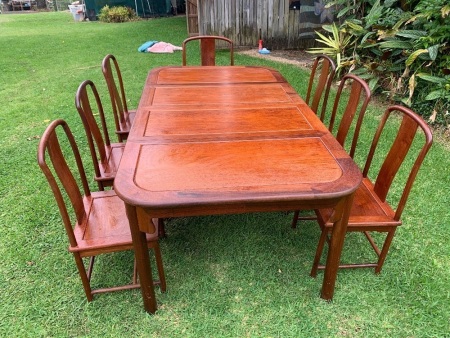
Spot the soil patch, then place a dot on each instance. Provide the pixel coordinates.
(295, 57)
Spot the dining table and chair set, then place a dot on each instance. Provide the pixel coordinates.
(215, 140)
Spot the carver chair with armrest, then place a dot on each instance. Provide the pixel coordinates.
(208, 49)
(123, 117)
(323, 68)
(358, 99)
(371, 212)
(100, 222)
(105, 155)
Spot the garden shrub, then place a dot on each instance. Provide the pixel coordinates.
(117, 14)
(404, 54)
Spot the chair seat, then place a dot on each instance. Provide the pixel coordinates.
(108, 170)
(367, 211)
(105, 227)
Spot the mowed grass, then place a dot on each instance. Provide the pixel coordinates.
(228, 276)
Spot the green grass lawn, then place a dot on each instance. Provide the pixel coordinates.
(227, 276)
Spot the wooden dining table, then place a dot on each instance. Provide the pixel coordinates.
(227, 140)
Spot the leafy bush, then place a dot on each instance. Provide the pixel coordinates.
(403, 54)
(117, 14)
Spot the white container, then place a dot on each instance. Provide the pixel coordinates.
(77, 12)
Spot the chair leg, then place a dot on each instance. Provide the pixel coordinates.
(319, 250)
(86, 275)
(83, 275)
(90, 267)
(160, 267)
(120, 137)
(161, 228)
(135, 275)
(384, 251)
(101, 187)
(295, 219)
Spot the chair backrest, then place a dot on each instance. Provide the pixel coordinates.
(327, 69)
(98, 142)
(50, 152)
(407, 131)
(359, 96)
(208, 49)
(118, 99)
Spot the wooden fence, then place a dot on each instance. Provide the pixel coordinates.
(276, 22)
(192, 17)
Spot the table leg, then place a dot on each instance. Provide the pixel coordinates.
(335, 247)
(142, 260)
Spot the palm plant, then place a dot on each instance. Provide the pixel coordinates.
(335, 45)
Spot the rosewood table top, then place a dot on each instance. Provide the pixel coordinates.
(223, 140)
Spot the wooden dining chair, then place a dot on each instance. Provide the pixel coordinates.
(123, 117)
(371, 212)
(105, 155)
(323, 68)
(208, 48)
(358, 99)
(100, 224)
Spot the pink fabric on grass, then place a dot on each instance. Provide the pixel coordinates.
(163, 47)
